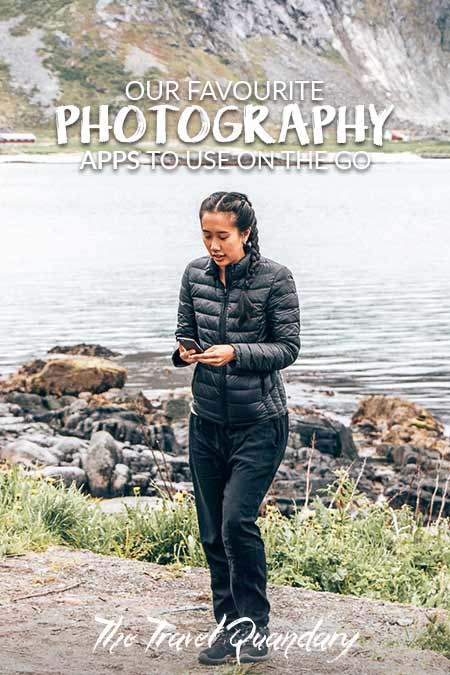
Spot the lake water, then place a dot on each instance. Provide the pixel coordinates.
(98, 257)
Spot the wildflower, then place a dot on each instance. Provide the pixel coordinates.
(272, 512)
(306, 513)
(136, 490)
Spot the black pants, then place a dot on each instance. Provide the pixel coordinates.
(232, 469)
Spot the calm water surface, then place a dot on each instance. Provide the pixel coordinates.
(99, 257)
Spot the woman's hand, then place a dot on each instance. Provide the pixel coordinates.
(217, 355)
(185, 354)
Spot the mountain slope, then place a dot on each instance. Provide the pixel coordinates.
(84, 52)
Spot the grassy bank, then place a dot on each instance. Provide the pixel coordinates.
(352, 547)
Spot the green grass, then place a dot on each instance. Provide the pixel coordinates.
(35, 11)
(435, 636)
(356, 548)
(352, 546)
(361, 549)
(95, 71)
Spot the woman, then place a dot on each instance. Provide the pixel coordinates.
(243, 311)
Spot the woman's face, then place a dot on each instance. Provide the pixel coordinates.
(223, 240)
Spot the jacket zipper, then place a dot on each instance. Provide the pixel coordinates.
(222, 331)
(263, 385)
(224, 367)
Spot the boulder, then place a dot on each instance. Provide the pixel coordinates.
(58, 402)
(329, 436)
(28, 453)
(68, 446)
(390, 419)
(99, 462)
(180, 467)
(28, 403)
(44, 439)
(121, 476)
(125, 425)
(177, 408)
(181, 434)
(130, 456)
(140, 480)
(419, 477)
(408, 450)
(84, 350)
(68, 375)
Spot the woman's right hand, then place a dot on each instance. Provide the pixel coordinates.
(185, 354)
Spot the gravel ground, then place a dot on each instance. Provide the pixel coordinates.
(50, 601)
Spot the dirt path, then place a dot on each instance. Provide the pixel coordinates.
(55, 634)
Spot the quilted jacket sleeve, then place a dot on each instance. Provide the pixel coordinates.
(283, 316)
(186, 323)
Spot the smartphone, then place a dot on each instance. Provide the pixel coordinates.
(190, 343)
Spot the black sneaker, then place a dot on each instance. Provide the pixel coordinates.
(221, 650)
(254, 649)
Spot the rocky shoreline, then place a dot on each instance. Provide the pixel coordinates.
(70, 416)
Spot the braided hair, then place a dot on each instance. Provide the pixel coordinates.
(239, 204)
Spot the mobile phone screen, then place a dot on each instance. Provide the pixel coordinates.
(189, 343)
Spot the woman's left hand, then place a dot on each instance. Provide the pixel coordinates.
(217, 355)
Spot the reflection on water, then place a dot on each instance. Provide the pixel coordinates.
(99, 257)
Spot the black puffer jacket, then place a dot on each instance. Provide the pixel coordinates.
(250, 388)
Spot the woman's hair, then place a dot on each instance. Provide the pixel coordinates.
(239, 204)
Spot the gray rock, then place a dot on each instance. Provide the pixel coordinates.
(99, 463)
(67, 447)
(14, 409)
(74, 460)
(27, 453)
(129, 456)
(181, 434)
(144, 460)
(122, 429)
(330, 436)
(180, 469)
(78, 405)
(11, 420)
(177, 408)
(53, 402)
(45, 440)
(140, 480)
(121, 476)
(82, 347)
(29, 403)
(65, 41)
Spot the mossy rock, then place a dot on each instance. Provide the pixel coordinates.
(68, 375)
